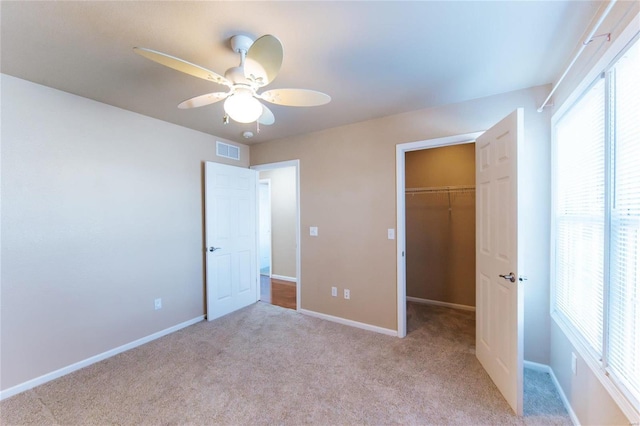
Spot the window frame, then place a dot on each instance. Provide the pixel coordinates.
(596, 362)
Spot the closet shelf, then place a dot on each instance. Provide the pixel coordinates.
(441, 189)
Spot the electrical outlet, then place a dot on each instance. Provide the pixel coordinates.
(334, 291)
(158, 304)
(347, 293)
(574, 363)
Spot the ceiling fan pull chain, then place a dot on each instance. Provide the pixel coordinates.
(257, 126)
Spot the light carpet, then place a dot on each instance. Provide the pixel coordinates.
(269, 365)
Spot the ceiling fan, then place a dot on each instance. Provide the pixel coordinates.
(260, 62)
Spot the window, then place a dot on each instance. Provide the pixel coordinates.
(596, 293)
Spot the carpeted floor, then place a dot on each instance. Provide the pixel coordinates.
(269, 365)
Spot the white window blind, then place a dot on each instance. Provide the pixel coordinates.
(580, 215)
(624, 291)
(597, 222)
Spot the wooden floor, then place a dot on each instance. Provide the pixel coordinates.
(278, 292)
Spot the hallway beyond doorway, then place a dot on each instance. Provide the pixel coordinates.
(277, 292)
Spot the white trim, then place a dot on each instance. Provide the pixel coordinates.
(92, 360)
(348, 322)
(439, 303)
(401, 149)
(563, 397)
(279, 165)
(284, 278)
(543, 368)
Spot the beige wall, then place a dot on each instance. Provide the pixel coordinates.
(440, 243)
(347, 184)
(589, 399)
(102, 212)
(283, 220)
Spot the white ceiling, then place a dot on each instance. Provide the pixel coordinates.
(374, 58)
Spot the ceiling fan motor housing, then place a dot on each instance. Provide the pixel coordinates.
(241, 43)
(236, 76)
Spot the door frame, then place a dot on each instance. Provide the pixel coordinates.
(268, 183)
(401, 149)
(279, 165)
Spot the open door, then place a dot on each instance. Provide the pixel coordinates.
(230, 231)
(499, 295)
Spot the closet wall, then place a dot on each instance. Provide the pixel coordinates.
(441, 225)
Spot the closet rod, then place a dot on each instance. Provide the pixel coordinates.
(440, 189)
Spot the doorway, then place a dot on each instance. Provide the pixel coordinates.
(264, 226)
(279, 229)
(401, 151)
(440, 227)
(500, 296)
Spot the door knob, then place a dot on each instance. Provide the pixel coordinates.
(212, 249)
(510, 276)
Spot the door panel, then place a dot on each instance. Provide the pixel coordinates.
(222, 268)
(244, 271)
(230, 222)
(499, 310)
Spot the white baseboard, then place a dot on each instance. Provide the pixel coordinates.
(438, 303)
(284, 278)
(84, 363)
(351, 323)
(543, 368)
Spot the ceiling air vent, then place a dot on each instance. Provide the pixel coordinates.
(227, 151)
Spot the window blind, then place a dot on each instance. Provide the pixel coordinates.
(579, 214)
(597, 222)
(623, 356)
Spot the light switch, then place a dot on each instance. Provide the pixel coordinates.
(313, 231)
(391, 234)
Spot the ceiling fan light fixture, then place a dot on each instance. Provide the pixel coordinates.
(260, 63)
(243, 107)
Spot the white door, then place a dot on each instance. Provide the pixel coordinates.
(499, 296)
(230, 228)
(264, 194)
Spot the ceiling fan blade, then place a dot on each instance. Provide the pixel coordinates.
(181, 65)
(203, 100)
(263, 60)
(267, 118)
(295, 97)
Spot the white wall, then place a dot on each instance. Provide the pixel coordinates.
(102, 212)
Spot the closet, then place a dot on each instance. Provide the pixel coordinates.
(440, 226)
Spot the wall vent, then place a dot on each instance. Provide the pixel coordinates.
(227, 150)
